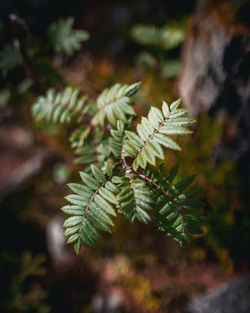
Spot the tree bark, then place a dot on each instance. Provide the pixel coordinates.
(215, 72)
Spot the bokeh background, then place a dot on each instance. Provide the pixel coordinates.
(205, 59)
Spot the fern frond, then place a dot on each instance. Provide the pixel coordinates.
(9, 59)
(175, 204)
(153, 133)
(64, 38)
(111, 180)
(91, 208)
(134, 198)
(60, 106)
(115, 104)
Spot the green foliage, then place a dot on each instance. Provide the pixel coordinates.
(153, 133)
(158, 41)
(64, 38)
(134, 198)
(117, 176)
(60, 107)
(91, 208)
(167, 37)
(9, 59)
(146, 60)
(176, 203)
(170, 68)
(33, 57)
(115, 103)
(28, 271)
(4, 97)
(116, 141)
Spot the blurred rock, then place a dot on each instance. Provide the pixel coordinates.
(232, 297)
(107, 303)
(56, 241)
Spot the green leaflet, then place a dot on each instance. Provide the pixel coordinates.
(109, 165)
(89, 181)
(81, 190)
(106, 194)
(181, 186)
(73, 210)
(77, 200)
(116, 141)
(72, 221)
(98, 174)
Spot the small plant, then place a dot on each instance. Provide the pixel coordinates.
(63, 37)
(122, 174)
(158, 43)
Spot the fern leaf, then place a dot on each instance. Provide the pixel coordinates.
(153, 133)
(134, 198)
(91, 207)
(64, 38)
(174, 206)
(115, 104)
(60, 107)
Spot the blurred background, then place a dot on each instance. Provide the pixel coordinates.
(197, 50)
